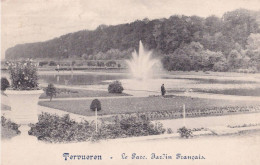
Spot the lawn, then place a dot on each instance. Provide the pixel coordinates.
(72, 93)
(239, 92)
(148, 104)
(217, 81)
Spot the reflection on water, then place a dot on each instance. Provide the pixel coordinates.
(86, 79)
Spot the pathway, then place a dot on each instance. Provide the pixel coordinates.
(91, 98)
(239, 150)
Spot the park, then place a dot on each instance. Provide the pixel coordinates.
(183, 88)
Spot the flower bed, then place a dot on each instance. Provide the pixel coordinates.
(244, 125)
(215, 111)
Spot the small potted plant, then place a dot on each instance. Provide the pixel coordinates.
(24, 92)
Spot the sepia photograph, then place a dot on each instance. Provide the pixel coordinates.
(114, 82)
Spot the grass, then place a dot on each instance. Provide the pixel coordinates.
(131, 105)
(217, 81)
(74, 93)
(239, 92)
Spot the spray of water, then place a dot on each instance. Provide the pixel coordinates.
(142, 66)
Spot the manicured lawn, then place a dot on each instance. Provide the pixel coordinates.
(217, 81)
(239, 92)
(131, 105)
(72, 93)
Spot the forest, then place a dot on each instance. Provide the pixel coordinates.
(229, 43)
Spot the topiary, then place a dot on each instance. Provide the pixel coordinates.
(51, 91)
(95, 104)
(115, 87)
(4, 83)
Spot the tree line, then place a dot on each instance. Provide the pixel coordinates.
(228, 43)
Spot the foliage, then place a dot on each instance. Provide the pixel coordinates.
(237, 30)
(169, 131)
(128, 126)
(95, 104)
(10, 125)
(91, 63)
(50, 91)
(4, 83)
(185, 132)
(52, 63)
(53, 128)
(115, 87)
(42, 63)
(23, 75)
(111, 64)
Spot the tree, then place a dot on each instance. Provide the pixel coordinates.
(234, 59)
(221, 66)
(253, 50)
(95, 104)
(50, 91)
(238, 25)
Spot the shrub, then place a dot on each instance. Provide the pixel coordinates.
(52, 63)
(95, 104)
(4, 83)
(51, 91)
(42, 63)
(10, 125)
(91, 63)
(111, 64)
(115, 87)
(53, 128)
(184, 132)
(129, 126)
(23, 75)
(169, 131)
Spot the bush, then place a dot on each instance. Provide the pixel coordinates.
(4, 83)
(115, 87)
(184, 132)
(169, 131)
(10, 125)
(53, 128)
(42, 63)
(95, 104)
(51, 91)
(129, 126)
(91, 63)
(111, 64)
(23, 75)
(52, 63)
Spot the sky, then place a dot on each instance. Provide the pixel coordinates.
(26, 21)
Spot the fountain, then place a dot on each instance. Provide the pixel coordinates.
(142, 66)
(145, 73)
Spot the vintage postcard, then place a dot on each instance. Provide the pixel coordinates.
(130, 82)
